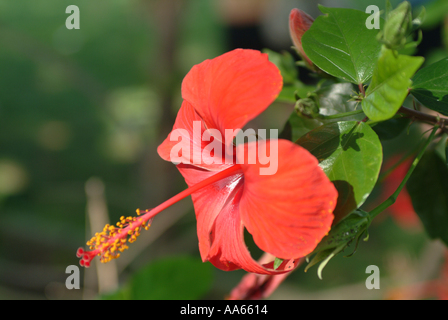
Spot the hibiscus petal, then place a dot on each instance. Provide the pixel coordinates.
(219, 227)
(255, 286)
(288, 212)
(232, 89)
(209, 201)
(228, 251)
(299, 23)
(187, 122)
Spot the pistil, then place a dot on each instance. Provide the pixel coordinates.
(113, 239)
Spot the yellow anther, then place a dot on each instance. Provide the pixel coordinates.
(107, 248)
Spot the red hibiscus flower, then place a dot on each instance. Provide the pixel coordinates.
(299, 22)
(287, 210)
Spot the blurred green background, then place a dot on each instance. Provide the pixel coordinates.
(81, 115)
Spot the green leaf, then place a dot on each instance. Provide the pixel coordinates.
(431, 86)
(428, 188)
(336, 99)
(288, 93)
(341, 235)
(297, 126)
(391, 128)
(330, 100)
(350, 153)
(340, 44)
(177, 278)
(389, 87)
(285, 63)
(277, 263)
(288, 69)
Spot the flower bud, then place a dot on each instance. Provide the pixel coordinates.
(308, 108)
(397, 27)
(299, 22)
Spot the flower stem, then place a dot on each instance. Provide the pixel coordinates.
(361, 89)
(391, 200)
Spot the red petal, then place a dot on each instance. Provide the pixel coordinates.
(219, 227)
(255, 286)
(228, 251)
(184, 125)
(288, 212)
(209, 201)
(232, 89)
(299, 22)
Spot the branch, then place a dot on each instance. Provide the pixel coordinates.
(436, 120)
